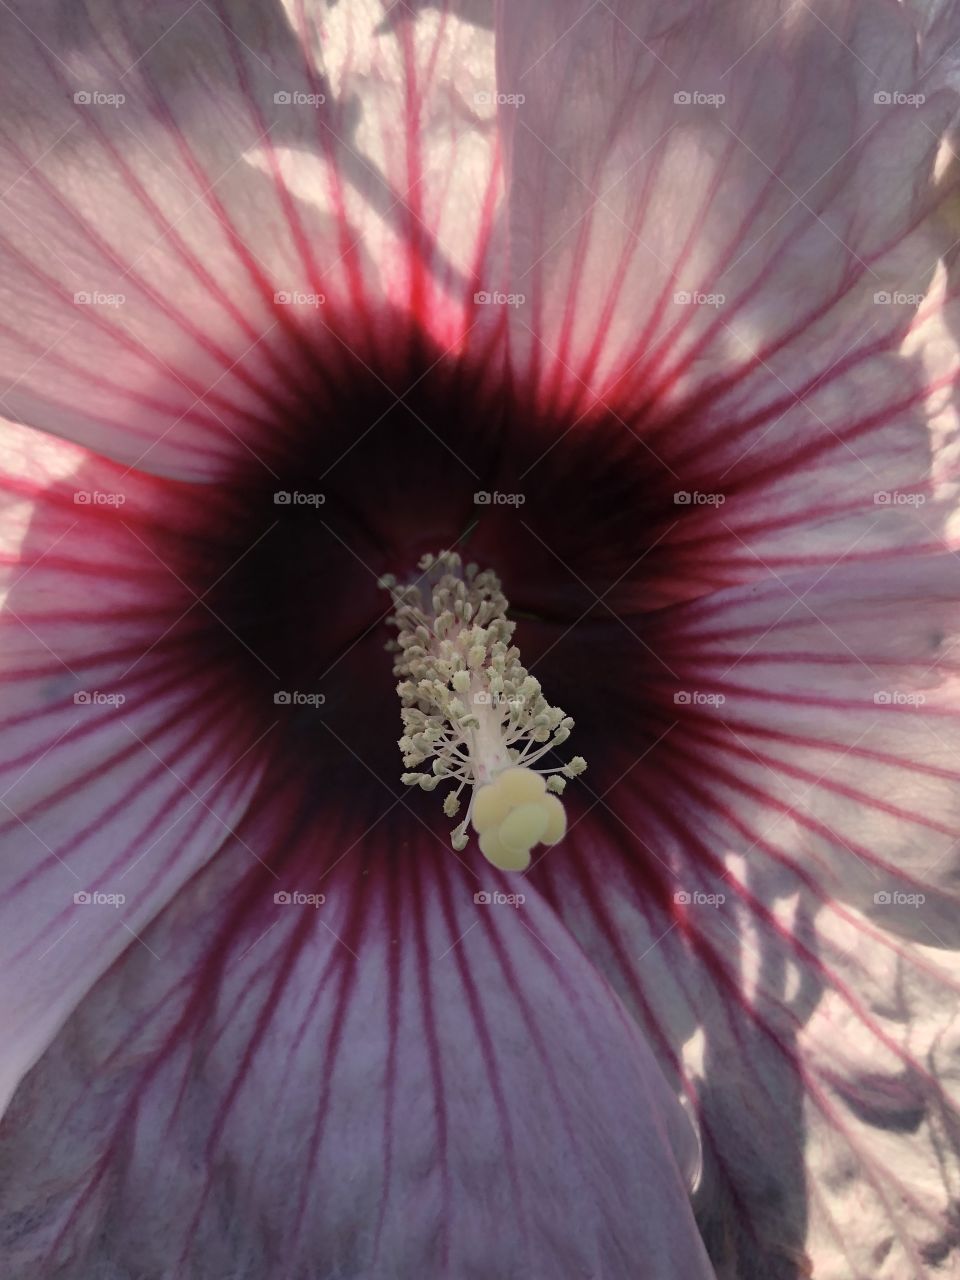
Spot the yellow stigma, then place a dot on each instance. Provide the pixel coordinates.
(469, 704)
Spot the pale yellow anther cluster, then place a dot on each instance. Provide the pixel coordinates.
(513, 813)
(468, 703)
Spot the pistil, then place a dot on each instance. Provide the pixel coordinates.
(470, 706)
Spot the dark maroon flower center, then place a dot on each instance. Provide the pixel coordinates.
(380, 461)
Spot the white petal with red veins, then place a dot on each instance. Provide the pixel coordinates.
(171, 255)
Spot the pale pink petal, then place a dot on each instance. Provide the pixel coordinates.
(181, 268)
(809, 1024)
(728, 243)
(123, 756)
(767, 869)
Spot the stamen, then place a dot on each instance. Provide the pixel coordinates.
(469, 704)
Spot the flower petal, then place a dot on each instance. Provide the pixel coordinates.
(392, 1079)
(767, 870)
(724, 227)
(203, 212)
(704, 155)
(122, 757)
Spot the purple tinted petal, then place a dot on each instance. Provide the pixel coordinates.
(396, 1081)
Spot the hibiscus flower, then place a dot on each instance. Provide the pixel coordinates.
(645, 311)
